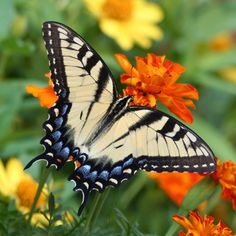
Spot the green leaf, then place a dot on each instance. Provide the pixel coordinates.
(11, 95)
(51, 204)
(214, 82)
(3, 230)
(222, 148)
(200, 192)
(19, 144)
(7, 13)
(213, 19)
(214, 61)
(17, 46)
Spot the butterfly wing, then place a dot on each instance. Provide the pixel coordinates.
(156, 140)
(142, 139)
(85, 89)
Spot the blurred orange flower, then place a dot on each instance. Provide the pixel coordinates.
(46, 96)
(226, 175)
(176, 185)
(222, 42)
(154, 78)
(198, 226)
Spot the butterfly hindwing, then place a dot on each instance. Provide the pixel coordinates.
(108, 140)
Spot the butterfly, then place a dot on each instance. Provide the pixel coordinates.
(108, 140)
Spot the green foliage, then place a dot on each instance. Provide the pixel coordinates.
(138, 206)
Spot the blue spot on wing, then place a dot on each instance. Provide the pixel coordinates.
(104, 175)
(116, 171)
(64, 153)
(128, 163)
(64, 109)
(57, 146)
(84, 170)
(56, 135)
(58, 122)
(93, 176)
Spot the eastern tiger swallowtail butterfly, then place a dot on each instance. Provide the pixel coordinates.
(108, 140)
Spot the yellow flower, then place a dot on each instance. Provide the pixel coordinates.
(18, 185)
(128, 21)
(229, 74)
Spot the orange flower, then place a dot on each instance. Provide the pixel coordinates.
(46, 96)
(171, 182)
(197, 226)
(226, 175)
(222, 42)
(154, 78)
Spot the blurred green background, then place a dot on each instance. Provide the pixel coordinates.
(190, 29)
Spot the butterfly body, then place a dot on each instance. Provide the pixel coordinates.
(108, 140)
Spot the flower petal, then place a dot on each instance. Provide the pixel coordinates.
(126, 65)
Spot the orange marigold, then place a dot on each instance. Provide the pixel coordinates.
(154, 79)
(226, 175)
(171, 182)
(198, 226)
(46, 96)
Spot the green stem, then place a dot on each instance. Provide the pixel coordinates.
(4, 60)
(133, 190)
(42, 181)
(99, 207)
(94, 212)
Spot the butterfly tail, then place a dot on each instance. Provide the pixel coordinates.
(43, 157)
(34, 160)
(84, 188)
(83, 202)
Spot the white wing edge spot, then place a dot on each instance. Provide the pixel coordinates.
(49, 154)
(176, 166)
(113, 180)
(49, 126)
(99, 184)
(56, 112)
(128, 171)
(86, 184)
(48, 141)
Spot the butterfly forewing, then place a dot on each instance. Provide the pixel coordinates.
(108, 140)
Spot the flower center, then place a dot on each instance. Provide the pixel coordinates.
(26, 191)
(118, 10)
